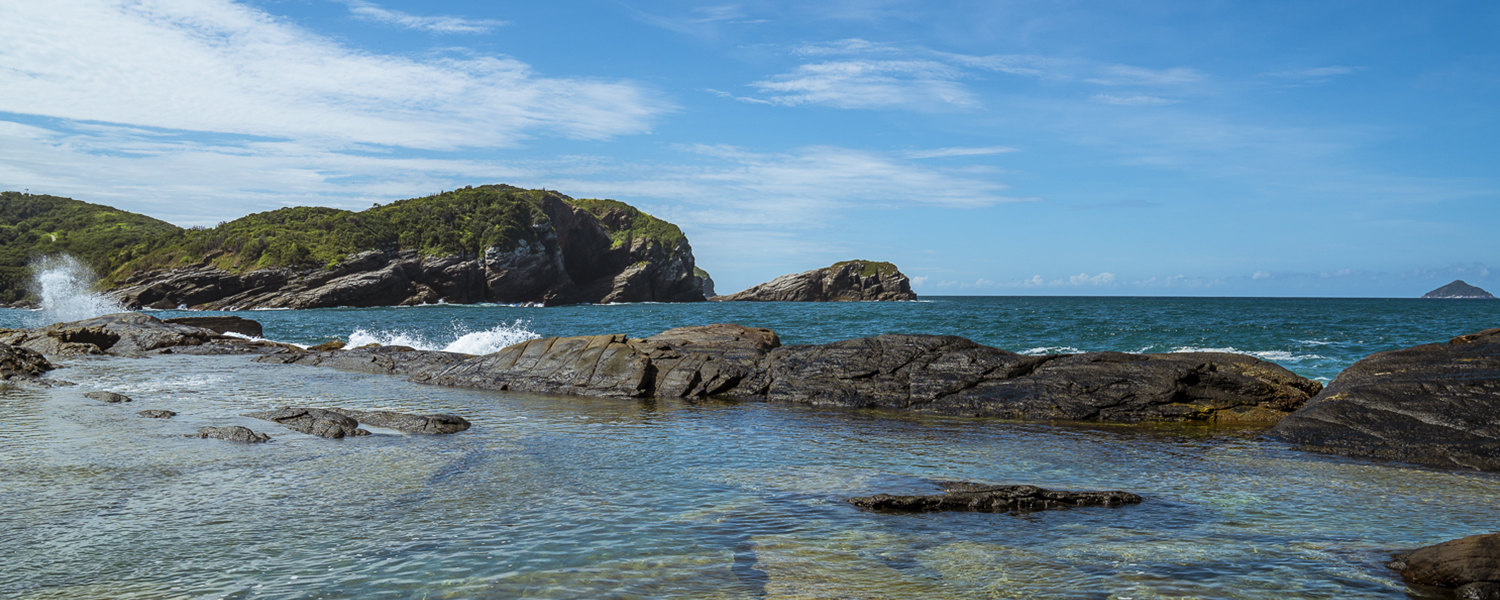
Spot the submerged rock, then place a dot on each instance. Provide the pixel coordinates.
(925, 373)
(1471, 565)
(980, 497)
(854, 280)
(1436, 404)
(110, 397)
(315, 421)
(157, 414)
(429, 424)
(233, 433)
(22, 363)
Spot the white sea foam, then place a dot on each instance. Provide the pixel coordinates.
(1041, 350)
(1276, 356)
(66, 288)
(460, 338)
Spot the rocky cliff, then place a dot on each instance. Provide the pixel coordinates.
(489, 244)
(1459, 290)
(848, 281)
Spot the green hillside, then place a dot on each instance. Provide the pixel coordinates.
(33, 225)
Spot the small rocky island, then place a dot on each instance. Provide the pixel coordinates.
(848, 281)
(1459, 290)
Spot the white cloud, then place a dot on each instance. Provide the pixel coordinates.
(370, 11)
(1133, 100)
(913, 84)
(919, 281)
(848, 46)
(1085, 279)
(220, 66)
(1261, 275)
(1132, 75)
(951, 152)
(1315, 74)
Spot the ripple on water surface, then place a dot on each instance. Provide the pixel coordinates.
(552, 497)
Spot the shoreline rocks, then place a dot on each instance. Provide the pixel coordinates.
(109, 397)
(979, 497)
(1470, 566)
(339, 423)
(137, 334)
(1435, 404)
(22, 364)
(233, 433)
(849, 281)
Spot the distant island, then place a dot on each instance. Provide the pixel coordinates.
(847, 281)
(1458, 290)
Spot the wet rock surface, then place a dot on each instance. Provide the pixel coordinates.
(314, 421)
(233, 433)
(157, 414)
(850, 281)
(227, 324)
(979, 497)
(110, 397)
(22, 363)
(1435, 404)
(933, 374)
(409, 423)
(1471, 566)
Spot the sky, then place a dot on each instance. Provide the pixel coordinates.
(1134, 148)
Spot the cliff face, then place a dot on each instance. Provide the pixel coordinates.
(850, 281)
(588, 252)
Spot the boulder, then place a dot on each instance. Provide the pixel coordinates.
(110, 397)
(233, 433)
(315, 421)
(855, 280)
(979, 497)
(429, 424)
(1435, 404)
(1471, 565)
(925, 373)
(227, 324)
(157, 414)
(22, 363)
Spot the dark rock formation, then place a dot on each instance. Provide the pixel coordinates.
(980, 497)
(1459, 290)
(1436, 404)
(133, 334)
(575, 258)
(157, 414)
(933, 374)
(110, 397)
(315, 421)
(22, 363)
(853, 280)
(388, 360)
(222, 325)
(1471, 565)
(429, 424)
(233, 433)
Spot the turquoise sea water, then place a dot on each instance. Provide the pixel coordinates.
(555, 497)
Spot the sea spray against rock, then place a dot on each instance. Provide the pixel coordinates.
(66, 288)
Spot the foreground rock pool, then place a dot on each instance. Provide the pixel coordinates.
(572, 497)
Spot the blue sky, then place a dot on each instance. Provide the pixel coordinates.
(1040, 148)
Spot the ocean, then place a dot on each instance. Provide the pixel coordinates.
(561, 497)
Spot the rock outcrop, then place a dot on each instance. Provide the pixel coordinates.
(849, 281)
(233, 433)
(228, 324)
(1470, 565)
(1460, 291)
(157, 414)
(22, 363)
(979, 497)
(1436, 404)
(925, 373)
(409, 423)
(314, 421)
(133, 334)
(571, 256)
(109, 397)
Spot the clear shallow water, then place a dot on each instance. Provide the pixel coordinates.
(551, 497)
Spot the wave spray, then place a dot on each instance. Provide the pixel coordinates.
(66, 288)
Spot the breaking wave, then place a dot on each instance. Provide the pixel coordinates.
(1275, 356)
(66, 288)
(460, 338)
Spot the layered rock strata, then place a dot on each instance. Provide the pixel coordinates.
(23, 364)
(1435, 404)
(133, 334)
(924, 373)
(979, 497)
(851, 281)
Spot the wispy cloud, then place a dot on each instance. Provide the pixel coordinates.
(912, 84)
(221, 66)
(1313, 75)
(370, 11)
(951, 152)
(1131, 75)
(1133, 100)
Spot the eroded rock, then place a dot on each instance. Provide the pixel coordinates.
(979, 497)
(133, 334)
(409, 423)
(233, 433)
(22, 363)
(315, 421)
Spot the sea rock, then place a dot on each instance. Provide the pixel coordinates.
(387, 360)
(157, 414)
(328, 346)
(110, 397)
(1435, 404)
(979, 497)
(315, 421)
(409, 423)
(1471, 564)
(924, 373)
(1459, 290)
(228, 324)
(854, 280)
(22, 363)
(133, 334)
(233, 433)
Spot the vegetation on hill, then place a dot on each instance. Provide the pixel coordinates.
(462, 222)
(34, 225)
(870, 267)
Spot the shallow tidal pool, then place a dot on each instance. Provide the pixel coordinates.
(557, 497)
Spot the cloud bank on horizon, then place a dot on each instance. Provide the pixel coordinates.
(1151, 148)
